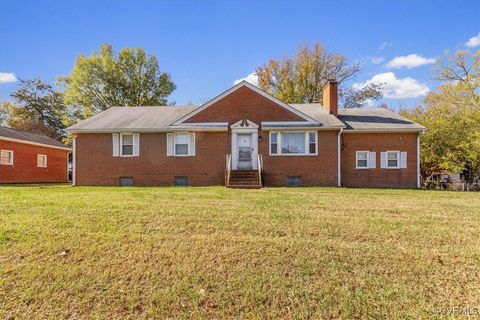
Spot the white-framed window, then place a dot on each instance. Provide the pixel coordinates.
(291, 143)
(181, 144)
(41, 160)
(126, 144)
(362, 160)
(393, 159)
(182, 141)
(6, 157)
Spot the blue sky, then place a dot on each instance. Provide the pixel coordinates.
(207, 45)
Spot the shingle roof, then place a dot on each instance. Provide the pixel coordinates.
(376, 119)
(132, 118)
(318, 112)
(29, 137)
(162, 118)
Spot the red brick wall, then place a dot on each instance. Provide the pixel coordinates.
(25, 168)
(96, 165)
(319, 170)
(244, 103)
(379, 142)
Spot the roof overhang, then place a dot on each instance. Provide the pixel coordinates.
(190, 127)
(235, 88)
(34, 143)
(296, 125)
(396, 130)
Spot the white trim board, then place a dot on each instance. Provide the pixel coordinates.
(235, 88)
(399, 130)
(339, 158)
(74, 161)
(418, 162)
(159, 130)
(301, 128)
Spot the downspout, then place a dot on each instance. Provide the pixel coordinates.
(339, 158)
(74, 161)
(418, 160)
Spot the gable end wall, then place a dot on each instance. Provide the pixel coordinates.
(244, 103)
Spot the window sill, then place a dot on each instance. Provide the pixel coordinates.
(362, 168)
(6, 164)
(294, 155)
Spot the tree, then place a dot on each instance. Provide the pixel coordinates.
(3, 114)
(106, 79)
(356, 98)
(300, 79)
(37, 108)
(452, 118)
(461, 70)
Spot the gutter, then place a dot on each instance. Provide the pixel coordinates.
(418, 159)
(149, 130)
(383, 130)
(74, 162)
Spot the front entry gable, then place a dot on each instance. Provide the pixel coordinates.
(244, 101)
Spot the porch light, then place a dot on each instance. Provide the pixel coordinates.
(260, 139)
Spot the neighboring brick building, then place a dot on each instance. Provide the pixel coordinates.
(31, 158)
(244, 132)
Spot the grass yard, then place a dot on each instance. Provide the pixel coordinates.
(290, 253)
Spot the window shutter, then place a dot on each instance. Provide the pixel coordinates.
(136, 144)
(169, 144)
(191, 148)
(373, 160)
(307, 143)
(383, 162)
(115, 144)
(403, 160)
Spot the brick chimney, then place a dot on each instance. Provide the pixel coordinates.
(330, 96)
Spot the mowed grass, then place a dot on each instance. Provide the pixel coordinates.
(290, 253)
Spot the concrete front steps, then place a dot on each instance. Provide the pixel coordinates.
(244, 179)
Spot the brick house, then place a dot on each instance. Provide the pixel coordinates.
(246, 138)
(31, 158)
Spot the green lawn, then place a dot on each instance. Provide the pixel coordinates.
(289, 253)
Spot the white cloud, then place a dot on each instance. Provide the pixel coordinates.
(473, 41)
(377, 60)
(395, 88)
(384, 46)
(409, 62)
(252, 78)
(7, 77)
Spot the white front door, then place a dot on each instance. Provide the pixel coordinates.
(245, 151)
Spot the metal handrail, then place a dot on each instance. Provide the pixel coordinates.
(229, 167)
(260, 168)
